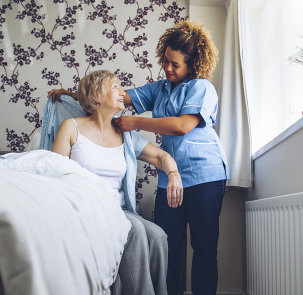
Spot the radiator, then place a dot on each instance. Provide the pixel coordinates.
(274, 243)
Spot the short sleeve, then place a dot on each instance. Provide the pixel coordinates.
(143, 97)
(201, 98)
(139, 142)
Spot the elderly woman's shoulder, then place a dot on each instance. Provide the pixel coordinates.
(73, 121)
(66, 125)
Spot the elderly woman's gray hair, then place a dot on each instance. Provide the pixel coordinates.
(92, 88)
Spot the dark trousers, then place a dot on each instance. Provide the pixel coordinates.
(201, 208)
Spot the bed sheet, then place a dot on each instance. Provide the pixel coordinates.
(60, 233)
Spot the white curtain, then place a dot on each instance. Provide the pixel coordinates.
(233, 123)
(272, 31)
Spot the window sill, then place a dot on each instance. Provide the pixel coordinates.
(280, 138)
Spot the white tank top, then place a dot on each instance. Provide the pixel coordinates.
(108, 163)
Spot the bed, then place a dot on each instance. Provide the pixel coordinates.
(62, 230)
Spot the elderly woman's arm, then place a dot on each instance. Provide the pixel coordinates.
(64, 138)
(162, 160)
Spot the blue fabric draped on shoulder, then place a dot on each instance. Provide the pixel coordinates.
(54, 114)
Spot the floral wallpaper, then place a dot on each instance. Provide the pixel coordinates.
(53, 44)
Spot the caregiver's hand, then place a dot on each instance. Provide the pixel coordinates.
(56, 93)
(126, 123)
(174, 190)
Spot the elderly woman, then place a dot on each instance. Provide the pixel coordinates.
(95, 143)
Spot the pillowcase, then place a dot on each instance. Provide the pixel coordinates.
(41, 162)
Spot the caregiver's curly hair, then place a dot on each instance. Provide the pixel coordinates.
(193, 40)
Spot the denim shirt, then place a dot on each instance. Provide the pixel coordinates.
(55, 113)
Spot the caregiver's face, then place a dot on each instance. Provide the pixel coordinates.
(175, 67)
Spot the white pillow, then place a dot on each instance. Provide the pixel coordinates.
(41, 162)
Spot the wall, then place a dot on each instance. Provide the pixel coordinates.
(278, 167)
(213, 18)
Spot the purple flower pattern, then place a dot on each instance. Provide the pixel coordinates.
(59, 37)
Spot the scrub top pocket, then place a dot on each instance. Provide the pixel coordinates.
(203, 153)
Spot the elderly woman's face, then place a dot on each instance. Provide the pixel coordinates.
(114, 96)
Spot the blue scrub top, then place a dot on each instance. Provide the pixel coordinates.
(199, 154)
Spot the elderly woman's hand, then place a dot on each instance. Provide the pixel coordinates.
(174, 190)
(164, 161)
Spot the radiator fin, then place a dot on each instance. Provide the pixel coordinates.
(274, 238)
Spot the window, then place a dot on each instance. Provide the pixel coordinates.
(271, 34)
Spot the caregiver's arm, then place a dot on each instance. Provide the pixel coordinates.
(56, 93)
(163, 160)
(168, 126)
